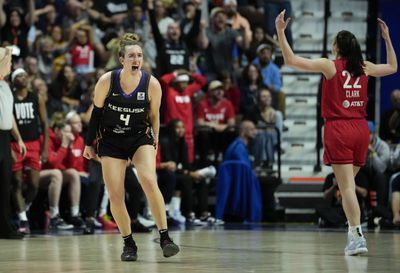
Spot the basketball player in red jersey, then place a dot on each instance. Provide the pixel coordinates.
(344, 99)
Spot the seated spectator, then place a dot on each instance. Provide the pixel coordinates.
(67, 88)
(61, 139)
(271, 75)
(396, 201)
(250, 84)
(266, 119)
(376, 166)
(216, 121)
(40, 88)
(332, 214)
(231, 91)
(389, 129)
(238, 189)
(174, 152)
(259, 37)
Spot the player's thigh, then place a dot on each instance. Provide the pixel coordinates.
(113, 174)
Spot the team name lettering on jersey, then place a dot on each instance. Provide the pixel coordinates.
(126, 109)
(182, 99)
(215, 117)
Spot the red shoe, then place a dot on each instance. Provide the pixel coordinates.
(107, 223)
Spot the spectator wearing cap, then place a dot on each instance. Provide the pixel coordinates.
(376, 165)
(179, 89)
(215, 118)
(30, 114)
(238, 22)
(271, 74)
(220, 43)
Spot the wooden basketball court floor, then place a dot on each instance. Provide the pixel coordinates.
(240, 248)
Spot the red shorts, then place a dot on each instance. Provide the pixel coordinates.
(32, 158)
(346, 141)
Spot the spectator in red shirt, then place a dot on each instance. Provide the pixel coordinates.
(231, 91)
(215, 118)
(60, 141)
(178, 97)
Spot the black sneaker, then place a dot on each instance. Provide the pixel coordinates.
(169, 248)
(129, 254)
(24, 227)
(57, 223)
(136, 226)
(77, 221)
(12, 235)
(89, 226)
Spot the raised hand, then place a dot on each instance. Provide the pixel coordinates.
(384, 29)
(280, 22)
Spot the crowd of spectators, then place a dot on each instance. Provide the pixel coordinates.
(212, 58)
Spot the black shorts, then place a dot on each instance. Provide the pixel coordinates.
(396, 184)
(123, 147)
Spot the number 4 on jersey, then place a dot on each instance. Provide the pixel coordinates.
(125, 118)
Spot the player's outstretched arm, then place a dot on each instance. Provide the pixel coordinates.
(322, 65)
(390, 67)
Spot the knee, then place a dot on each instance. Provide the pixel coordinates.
(116, 198)
(57, 177)
(149, 183)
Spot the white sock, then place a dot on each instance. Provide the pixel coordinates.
(175, 203)
(356, 231)
(74, 210)
(28, 206)
(22, 216)
(54, 212)
(104, 203)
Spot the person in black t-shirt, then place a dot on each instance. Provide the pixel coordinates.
(126, 120)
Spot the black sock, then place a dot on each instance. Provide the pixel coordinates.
(163, 234)
(128, 240)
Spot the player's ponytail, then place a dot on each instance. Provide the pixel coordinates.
(127, 40)
(349, 49)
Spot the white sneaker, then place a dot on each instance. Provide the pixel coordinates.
(208, 172)
(146, 222)
(97, 224)
(177, 215)
(192, 220)
(355, 245)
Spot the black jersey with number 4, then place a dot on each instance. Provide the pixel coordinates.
(126, 115)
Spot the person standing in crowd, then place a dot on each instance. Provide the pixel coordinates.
(31, 118)
(343, 103)
(126, 120)
(7, 124)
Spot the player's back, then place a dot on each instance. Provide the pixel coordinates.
(344, 96)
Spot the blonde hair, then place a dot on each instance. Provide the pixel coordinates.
(127, 40)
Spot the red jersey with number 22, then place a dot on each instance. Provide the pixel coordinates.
(344, 96)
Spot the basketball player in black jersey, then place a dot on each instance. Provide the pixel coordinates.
(125, 121)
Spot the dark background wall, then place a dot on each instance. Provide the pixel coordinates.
(389, 11)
